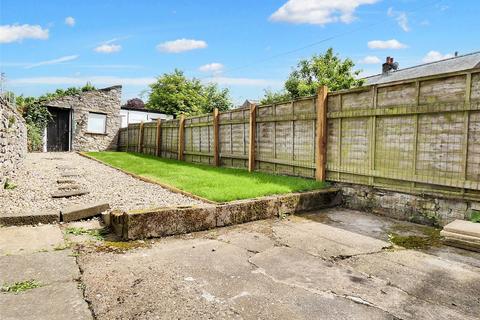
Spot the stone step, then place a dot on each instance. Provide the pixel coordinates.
(83, 211)
(60, 181)
(69, 187)
(464, 227)
(69, 193)
(462, 234)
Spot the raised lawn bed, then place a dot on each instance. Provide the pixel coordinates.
(212, 183)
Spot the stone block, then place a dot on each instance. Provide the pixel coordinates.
(69, 193)
(44, 217)
(83, 211)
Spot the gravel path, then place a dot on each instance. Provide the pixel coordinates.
(38, 180)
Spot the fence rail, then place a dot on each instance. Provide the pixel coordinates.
(420, 136)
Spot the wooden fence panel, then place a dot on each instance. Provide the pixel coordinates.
(420, 135)
(169, 142)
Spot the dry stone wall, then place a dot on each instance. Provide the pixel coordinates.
(13, 141)
(419, 208)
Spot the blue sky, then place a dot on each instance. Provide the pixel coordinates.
(247, 46)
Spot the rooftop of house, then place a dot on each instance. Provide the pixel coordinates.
(450, 65)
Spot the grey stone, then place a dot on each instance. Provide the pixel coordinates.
(70, 193)
(26, 239)
(13, 141)
(83, 211)
(47, 216)
(57, 301)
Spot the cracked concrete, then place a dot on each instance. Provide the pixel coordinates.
(296, 268)
(332, 264)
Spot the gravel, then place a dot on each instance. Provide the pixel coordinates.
(36, 182)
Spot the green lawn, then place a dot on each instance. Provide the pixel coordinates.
(217, 184)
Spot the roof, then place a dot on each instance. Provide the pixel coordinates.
(141, 110)
(455, 64)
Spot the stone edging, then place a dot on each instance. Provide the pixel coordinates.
(148, 180)
(167, 221)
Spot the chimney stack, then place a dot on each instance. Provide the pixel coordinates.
(388, 66)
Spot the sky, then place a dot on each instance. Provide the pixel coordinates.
(247, 46)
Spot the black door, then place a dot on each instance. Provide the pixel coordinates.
(58, 130)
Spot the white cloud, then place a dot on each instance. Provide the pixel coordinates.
(370, 60)
(318, 11)
(70, 21)
(95, 80)
(108, 48)
(181, 45)
(400, 17)
(53, 61)
(16, 33)
(387, 44)
(433, 56)
(214, 67)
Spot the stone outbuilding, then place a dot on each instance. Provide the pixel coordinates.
(88, 121)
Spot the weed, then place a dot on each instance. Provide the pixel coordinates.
(9, 185)
(429, 237)
(98, 234)
(21, 286)
(120, 246)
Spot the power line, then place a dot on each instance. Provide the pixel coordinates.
(313, 44)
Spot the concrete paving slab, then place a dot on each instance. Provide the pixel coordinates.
(298, 269)
(45, 267)
(423, 275)
(28, 239)
(251, 241)
(323, 240)
(70, 193)
(58, 301)
(46, 216)
(463, 227)
(79, 212)
(202, 279)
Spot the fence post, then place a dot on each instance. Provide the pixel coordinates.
(181, 136)
(321, 134)
(159, 137)
(216, 136)
(140, 138)
(251, 143)
(128, 137)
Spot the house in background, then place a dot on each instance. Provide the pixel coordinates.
(87, 121)
(392, 73)
(134, 111)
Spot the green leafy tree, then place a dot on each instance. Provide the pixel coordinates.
(175, 94)
(325, 69)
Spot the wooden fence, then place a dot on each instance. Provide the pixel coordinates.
(420, 136)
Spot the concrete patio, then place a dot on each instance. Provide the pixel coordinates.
(333, 264)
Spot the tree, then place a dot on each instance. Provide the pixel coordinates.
(324, 69)
(173, 93)
(135, 103)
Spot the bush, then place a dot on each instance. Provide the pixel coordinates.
(34, 138)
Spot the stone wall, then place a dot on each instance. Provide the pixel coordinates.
(431, 210)
(106, 101)
(13, 141)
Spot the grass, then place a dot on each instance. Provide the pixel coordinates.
(212, 183)
(21, 286)
(98, 234)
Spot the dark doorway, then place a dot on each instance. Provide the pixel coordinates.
(58, 133)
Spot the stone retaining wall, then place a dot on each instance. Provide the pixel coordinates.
(425, 209)
(13, 141)
(163, 222)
